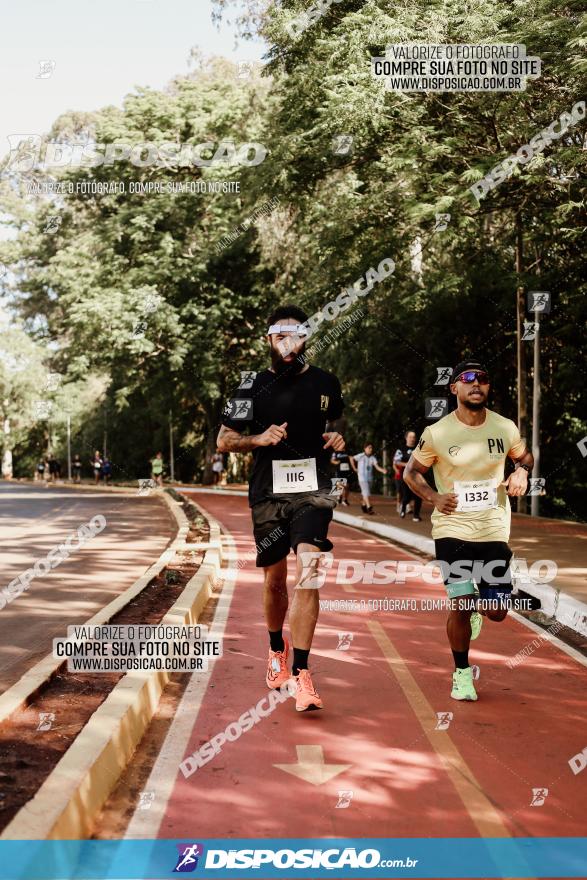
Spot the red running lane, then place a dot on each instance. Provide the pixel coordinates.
(381, 698)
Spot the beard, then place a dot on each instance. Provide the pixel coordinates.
(288, 369)
(475, 405)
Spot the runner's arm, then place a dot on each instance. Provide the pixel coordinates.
(414, 478)
(517, 482)
(229, 440)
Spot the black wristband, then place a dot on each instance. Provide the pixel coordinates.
(526, 467)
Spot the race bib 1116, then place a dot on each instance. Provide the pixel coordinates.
(294, 475)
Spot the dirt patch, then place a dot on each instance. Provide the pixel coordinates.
(34, 739)
(198, 523)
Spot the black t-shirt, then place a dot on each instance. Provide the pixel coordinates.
(306, 401)
(403, 454)
(343, 465)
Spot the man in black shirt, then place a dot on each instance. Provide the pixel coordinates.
(341, 461)
(400, 460)
(287, 410)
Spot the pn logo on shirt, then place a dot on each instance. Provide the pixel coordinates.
(496, 448)
(187, 860)
(324, 401)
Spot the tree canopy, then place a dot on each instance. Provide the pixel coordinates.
(161, 296)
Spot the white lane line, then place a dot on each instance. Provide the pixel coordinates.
(146, 823)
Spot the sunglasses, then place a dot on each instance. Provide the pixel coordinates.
(471, 375)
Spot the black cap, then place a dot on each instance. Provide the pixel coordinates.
(463, 367)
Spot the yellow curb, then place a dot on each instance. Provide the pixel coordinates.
(21, 691)
(66, 805)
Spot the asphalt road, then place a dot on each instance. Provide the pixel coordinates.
(35, 519)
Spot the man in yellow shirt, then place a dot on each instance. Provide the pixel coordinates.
(467, 450)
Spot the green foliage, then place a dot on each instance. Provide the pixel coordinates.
(81, 291)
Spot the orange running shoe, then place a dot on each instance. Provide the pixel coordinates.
(306, 694)
(277, 672)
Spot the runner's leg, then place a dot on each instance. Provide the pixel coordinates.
(303, 617)
(405, 497)
(303, 614)
(496, 586)
(275, 599)
(450, 551)
(458, 628)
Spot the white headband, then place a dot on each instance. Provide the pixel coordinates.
(300, 329)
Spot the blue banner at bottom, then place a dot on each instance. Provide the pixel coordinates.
(296, 857)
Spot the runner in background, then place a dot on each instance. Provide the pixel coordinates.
(397, 476)
(40, 471)
(289, 412)
(54, 468)
(467, 450)
(76, 469)
(107, 470)
(400, 460)
(341, 461)
(217, 467)
(97, 466)
(157, 469)
(365, 463)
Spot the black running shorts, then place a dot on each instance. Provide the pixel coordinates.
(282, 522)
(485, 562)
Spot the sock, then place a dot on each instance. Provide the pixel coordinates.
(461, 659)
(276, 640)
(300, 660)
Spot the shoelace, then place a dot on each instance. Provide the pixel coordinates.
(307, 685)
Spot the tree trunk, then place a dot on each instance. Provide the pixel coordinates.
(7, 454)
(212, 412)
(521, 350)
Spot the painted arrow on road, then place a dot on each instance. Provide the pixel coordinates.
(311, 767)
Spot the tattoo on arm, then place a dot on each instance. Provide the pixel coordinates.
(231, 441)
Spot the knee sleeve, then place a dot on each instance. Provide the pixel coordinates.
(460, 588)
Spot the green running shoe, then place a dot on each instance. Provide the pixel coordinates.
(462, 685)
(476, 624)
